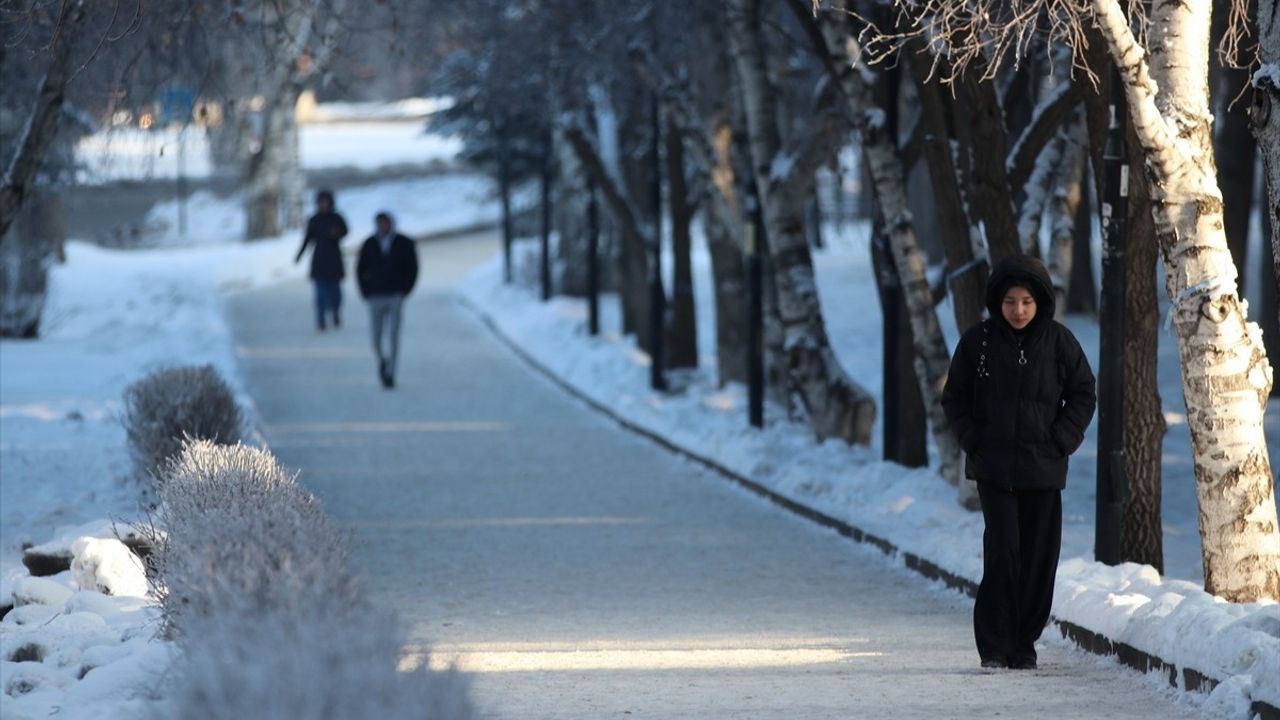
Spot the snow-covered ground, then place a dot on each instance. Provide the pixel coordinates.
(1169, 617)
(132, 154)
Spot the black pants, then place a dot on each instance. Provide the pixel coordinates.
(1020, 560)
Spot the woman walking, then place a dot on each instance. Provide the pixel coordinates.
(1020, 395)
(325, 230)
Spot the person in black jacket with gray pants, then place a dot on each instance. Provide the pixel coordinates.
(325, 231)
(1020, 394)
(386, 272)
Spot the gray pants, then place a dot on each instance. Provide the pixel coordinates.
(384, 322)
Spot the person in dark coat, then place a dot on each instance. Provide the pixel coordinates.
(1020, 394)
(386, 272)
(325, 231)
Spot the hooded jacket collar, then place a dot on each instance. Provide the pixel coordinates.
(1028, 272)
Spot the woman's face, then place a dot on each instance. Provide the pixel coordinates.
(1018, 307)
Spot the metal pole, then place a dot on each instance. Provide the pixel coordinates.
(546, 220)
(755, 307)
(182, 183)
(593, 260)
(504, 188)
(1113, 483)
(657, 299)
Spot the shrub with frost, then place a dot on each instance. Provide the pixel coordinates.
(171, 404)
(308, 663)
(241, 536)
(255, 585)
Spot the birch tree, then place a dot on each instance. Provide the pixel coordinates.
(1225, 374)
(835, 406)
(276, 50)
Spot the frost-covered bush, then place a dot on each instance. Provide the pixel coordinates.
(171, 404)
(255, 584)
(308, 664)
(241, 536)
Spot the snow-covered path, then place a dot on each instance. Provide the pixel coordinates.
(582, 572)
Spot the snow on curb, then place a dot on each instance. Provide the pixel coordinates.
(1199, 642)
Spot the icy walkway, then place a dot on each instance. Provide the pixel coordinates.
(582, 572)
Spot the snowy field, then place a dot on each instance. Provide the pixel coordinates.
(1169, 617)
(132, 154)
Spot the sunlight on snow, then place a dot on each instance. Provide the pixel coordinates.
(653, 655)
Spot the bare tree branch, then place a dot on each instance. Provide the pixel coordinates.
(1050, 114)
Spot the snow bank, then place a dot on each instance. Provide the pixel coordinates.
(915, 510)
(80, 653)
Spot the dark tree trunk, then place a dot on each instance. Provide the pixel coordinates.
(682, 350)
(1082, 291)
(968, 286)
(504, 192)
(32, 242)
(1234, 147)
(989, 193)
(905, 425)
(41, 128)
(1141, 528)
(634, 257)
(1269, 299)
(544, 226)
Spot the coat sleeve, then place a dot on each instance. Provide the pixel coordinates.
(411, 265)
(363, 269)
(306, 240)
(342, 227)
(1079, 397)
(957, 398)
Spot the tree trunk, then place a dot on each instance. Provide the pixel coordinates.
(1225, 374)
(32, 242)
(42, 125)
(931, 360)
(1141, 525)
(836, 407)
(724, 235)
(903, 423)
(1234, 147)
(989, 195)
(1063, 211)
(682, 350)
(570, 205)
(967, 276)
(268, 184)
(1269, 297)
(634, 258)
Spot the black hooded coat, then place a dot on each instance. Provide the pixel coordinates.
(325, 230)
(1019, 401)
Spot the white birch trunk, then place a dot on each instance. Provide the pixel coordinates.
(1067, 193)
(1225, 374)
(931, 361)
(835, 405)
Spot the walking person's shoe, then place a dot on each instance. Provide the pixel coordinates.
(995, 664)
(1022, 663)
(384, 375)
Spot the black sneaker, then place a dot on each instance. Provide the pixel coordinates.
(1022, 664)
(995, 664)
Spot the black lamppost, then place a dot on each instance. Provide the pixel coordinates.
(1113, 480)
(755, 241)
(593, 260)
